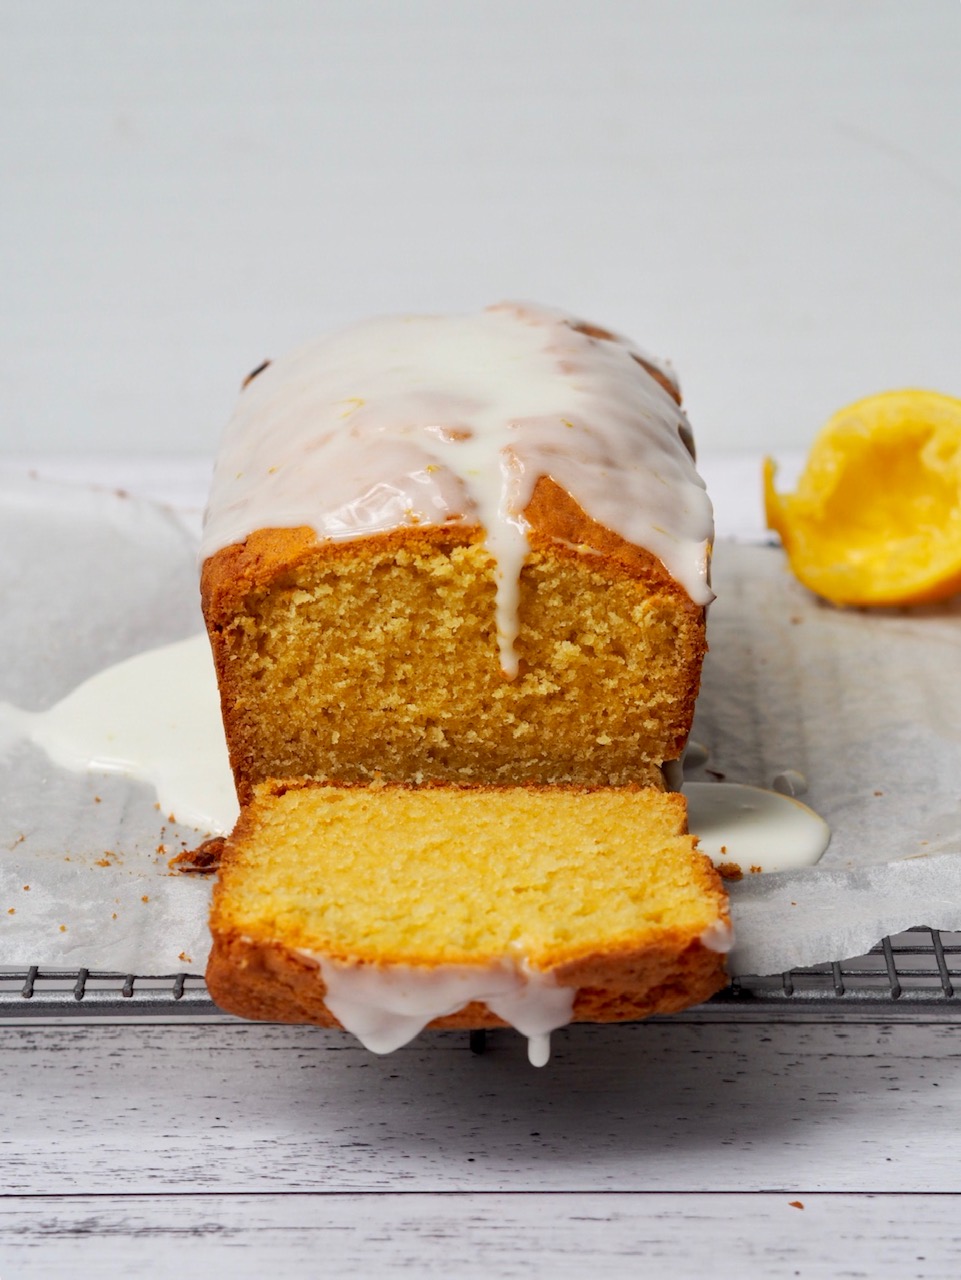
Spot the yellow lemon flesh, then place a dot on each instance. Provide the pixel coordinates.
(876, 518)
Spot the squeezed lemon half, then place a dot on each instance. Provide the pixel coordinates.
(876, 518)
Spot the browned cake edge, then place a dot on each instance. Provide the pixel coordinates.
(264, 980)
(557, 524)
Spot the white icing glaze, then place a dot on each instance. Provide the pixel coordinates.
(673, 773)
(754, 828)
(695, 755)
(155, 717)
(451, 420)
(386, 1006)
(790, 783)
(719, 937)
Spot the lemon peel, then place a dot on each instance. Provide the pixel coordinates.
(876, 517)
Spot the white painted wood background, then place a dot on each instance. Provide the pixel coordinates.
(765, 192)
(639, 1151)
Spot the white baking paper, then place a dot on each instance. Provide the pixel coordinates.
(88, 577)
(866, 706)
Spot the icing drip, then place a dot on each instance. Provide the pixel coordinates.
(790, 783)
(427, 420)
(719, 937)
(386, 1006)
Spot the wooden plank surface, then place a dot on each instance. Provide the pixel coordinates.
(490, 1236)
(663, 1107)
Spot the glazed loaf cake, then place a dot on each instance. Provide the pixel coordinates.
(466, 549)
(455, 575)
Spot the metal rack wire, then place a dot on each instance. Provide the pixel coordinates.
(911, 976)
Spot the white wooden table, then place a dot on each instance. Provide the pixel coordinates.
(682, 1148)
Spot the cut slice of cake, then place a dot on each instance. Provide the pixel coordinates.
(387, 908)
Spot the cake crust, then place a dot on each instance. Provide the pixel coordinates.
(556, 524)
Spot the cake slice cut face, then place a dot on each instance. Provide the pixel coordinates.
(387, 908)
(346, 661)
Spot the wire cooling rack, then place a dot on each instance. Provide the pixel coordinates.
(912, 976)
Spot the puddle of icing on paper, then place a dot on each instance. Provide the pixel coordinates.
(154, 717)
(754, 828)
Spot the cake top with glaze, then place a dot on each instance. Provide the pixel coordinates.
(433, 420)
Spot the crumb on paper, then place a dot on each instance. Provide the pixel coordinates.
(63, 928)
(756, 870)
(19, 840)
(97, 800)
(185, 958)
(879, 793)
(796, 1204)
(730, 870)
(171, 817)
(11, 911)
(161, 848)
(204, 860)
(26, 888)
(724, 848)
(113, 916)
(108, 858)
(145, 897)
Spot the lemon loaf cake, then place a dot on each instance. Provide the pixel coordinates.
(387, 908)
(463, 549)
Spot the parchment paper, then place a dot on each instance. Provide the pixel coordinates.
(866, 706)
